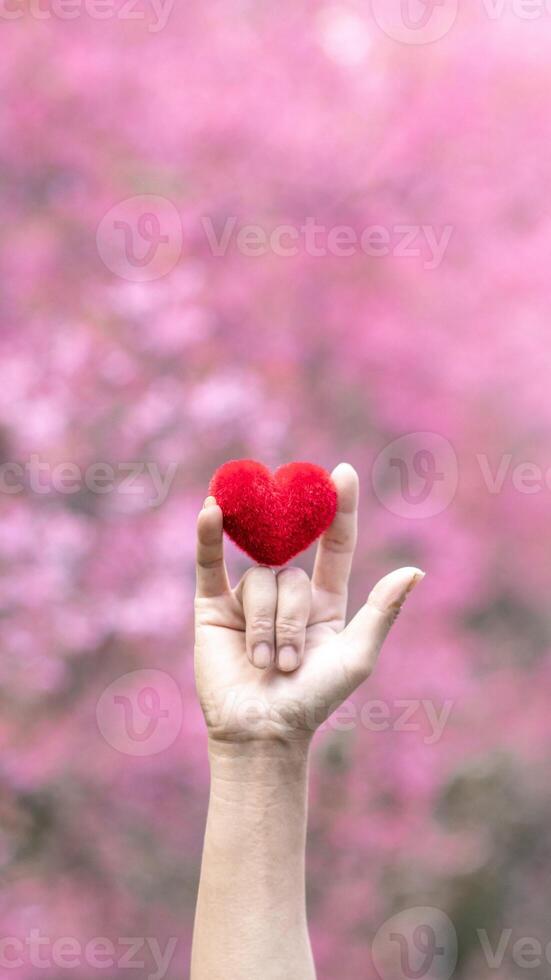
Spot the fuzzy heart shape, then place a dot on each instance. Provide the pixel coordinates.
(273, 517)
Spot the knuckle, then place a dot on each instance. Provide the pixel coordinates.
(258, 573)
(386, 617)
(339, 541)
(289, 628)
(341, 536)
(261, 624)
(293, 576)
(259, 581)
(208, 564)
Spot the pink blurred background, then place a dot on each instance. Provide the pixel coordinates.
(144, 330)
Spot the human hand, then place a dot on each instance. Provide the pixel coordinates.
(273, 657)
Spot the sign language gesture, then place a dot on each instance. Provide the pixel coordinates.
(274, 656)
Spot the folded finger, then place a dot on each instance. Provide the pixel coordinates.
(293, 610)
(259, 598)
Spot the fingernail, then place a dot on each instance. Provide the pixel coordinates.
(287, 658)
(208, 502)
(262, 655)
(391, 592)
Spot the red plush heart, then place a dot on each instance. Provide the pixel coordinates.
(274, 516)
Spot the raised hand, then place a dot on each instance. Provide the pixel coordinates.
(273, 657)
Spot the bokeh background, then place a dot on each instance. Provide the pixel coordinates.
(130, 139)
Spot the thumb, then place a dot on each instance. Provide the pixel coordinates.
(366, 633)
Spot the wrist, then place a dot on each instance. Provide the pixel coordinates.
(257, 763)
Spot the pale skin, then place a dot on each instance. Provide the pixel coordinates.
(273, 659)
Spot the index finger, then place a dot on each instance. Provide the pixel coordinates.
(212, 577)
(336, 546)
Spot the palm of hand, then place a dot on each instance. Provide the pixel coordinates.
(286, 700)
(240, 701)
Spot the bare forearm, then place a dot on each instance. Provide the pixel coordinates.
(279, 645)
(251, 918)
